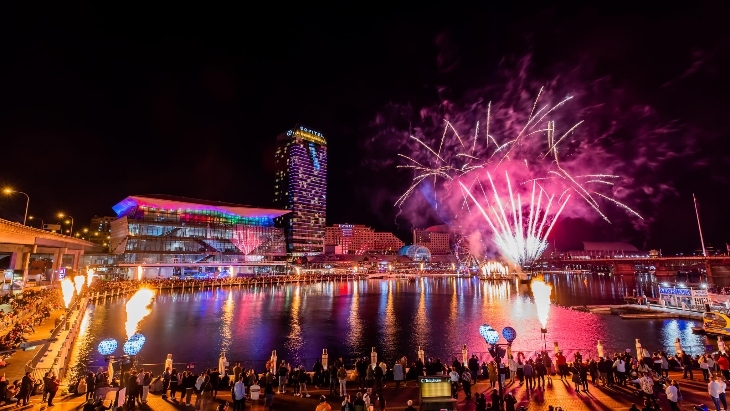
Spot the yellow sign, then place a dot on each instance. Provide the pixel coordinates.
(310, 135)
(435, 388)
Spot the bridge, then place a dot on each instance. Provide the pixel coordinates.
(713, 267)
(20, 244)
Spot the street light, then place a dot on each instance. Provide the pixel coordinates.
(43, 224)
(62, 215)
(9, 191)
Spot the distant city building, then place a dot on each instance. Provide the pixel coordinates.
(99, 230)
(162, 229)
(301, 188)
(436, 238)
(387, 243)
(359, 239)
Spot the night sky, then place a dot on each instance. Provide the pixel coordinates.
(99, 104)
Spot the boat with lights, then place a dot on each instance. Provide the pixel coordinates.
(716, 322)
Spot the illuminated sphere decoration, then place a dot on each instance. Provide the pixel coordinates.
(484, 330)
(132, 347)
(509, 334)
(139, 338)
(107, 346)
(492, 336)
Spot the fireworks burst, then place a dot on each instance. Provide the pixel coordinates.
(521, 210)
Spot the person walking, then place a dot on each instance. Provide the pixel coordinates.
(206, 394)
(528, 370)
(454, 378)
(466, 383)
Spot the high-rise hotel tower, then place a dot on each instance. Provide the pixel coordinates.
(301, 187)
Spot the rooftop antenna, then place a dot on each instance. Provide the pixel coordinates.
(697, 211)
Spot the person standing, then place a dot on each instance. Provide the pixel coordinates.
(146, 381)
(721, 392)
(237, 370)
(528, 371)
(282, 372)
(713, 388)
(466, 382)
(52, 390)
(239, 395)
(342, 378)
(687, 364)
(672, 396)
(206, 394)
(454, 377)
(397, 374)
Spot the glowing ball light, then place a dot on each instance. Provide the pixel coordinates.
(134, 345)
(107, 346)
(509, 334)
(489, 334)
(139, 338)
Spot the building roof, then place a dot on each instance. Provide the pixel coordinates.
(601, 246)
(168, 202)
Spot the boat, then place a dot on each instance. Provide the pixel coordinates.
(716, 322)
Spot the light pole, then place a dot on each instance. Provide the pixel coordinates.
(27, 201)
(43, 224)
(62, 215)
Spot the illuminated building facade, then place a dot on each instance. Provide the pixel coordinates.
(301, 188)
(387, 243)
(359, 239)
(435, 238)
(163, 229)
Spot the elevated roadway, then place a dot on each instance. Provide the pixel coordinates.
(20, 243)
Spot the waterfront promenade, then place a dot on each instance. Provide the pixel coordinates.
(559, 394)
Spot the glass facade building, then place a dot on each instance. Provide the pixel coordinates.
(165, 229)
(301, 188)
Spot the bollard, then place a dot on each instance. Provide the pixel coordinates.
(720, 344)
(421, 355)
(374, 357)
(599, 348)
(556, 349)
(325, 358)
(464, 355)
(639, 354)
(273, 362)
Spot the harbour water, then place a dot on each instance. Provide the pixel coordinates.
(395, 316)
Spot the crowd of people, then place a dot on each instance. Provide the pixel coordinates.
(28, 310)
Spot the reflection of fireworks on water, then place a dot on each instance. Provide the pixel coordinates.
(67, 288)
(137, 309)
(541, 292)
(520, 210)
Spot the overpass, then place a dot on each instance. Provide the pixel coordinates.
(713, 267)
(19, 244)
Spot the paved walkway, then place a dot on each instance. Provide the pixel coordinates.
(560, 393)
(16, 362)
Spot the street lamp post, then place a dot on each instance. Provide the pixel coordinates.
(43, 224)
(62, 215)
(27, 201)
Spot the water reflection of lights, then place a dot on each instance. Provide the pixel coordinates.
(388, 320)
(294, 340)
(226, 322)
(354, 334)
(421, 321)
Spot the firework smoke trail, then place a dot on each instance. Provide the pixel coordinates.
(541, 292)
(519, 227)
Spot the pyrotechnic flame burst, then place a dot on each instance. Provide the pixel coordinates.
(137, 309)
(79, 281)
(541, 292)
(67, 288)
(521, 210)
(89, 277)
